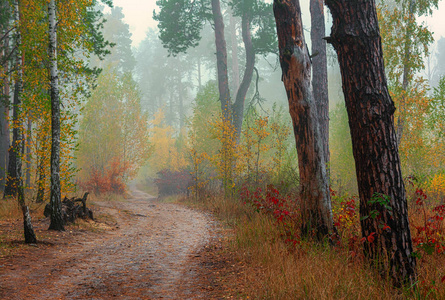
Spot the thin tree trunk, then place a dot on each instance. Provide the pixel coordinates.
(18, 143)
(4, 116)
(199, 73)
(221, 61)
(56, 204)
(28, 153)
(356, 38)
(181, 105)
(11, 177)
(234, 46)
(296, 66)
(406, 73)
(320, 72)
(238, 106)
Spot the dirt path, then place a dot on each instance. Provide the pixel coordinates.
(147, 257)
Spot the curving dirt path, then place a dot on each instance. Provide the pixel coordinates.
(146, 257)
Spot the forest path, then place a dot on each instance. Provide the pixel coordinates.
(147, 257)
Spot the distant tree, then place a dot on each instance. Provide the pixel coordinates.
(193, 15)
(118, 34)
(383, 206)
(296, 66)
(439, 69)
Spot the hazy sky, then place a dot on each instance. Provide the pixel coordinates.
(139, 15)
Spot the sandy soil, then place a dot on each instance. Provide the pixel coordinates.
(150, 254)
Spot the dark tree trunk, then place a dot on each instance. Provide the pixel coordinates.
(18, 143)
(320, 72)
(41, 181)
(296, 66)
(28, 153)
(238, 106)
(56, 203)
(4, 123)
(221, 61)
(356, 38)
(11, 178)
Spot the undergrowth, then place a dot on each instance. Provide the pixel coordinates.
(282, 265)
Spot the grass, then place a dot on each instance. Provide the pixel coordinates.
(278, 270)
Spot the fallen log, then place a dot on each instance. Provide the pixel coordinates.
(71, 210)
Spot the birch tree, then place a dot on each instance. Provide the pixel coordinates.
(55, 201)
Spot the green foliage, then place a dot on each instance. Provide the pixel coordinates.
(180, 23)
(113, 132)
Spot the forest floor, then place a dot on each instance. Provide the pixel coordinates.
(141, 249)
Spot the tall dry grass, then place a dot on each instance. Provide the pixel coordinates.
(279, 270)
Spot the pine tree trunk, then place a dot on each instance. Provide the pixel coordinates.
(238, 106)
(356, 38)
(221, 61)
(320, 72)
(18, 143)
(56, 204)
(296, 66)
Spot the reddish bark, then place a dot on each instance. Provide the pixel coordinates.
(356, 38)
(296, 66)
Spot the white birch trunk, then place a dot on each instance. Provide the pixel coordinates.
(56, 212)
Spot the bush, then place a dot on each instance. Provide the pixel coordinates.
(173, 182)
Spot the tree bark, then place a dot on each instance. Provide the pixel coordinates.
(234, 44)
(28, 153)
(238, 106)
(56, 204)
(221, 61)
(18, 143)
(11, 177)
(356, 38)
(4, 115)
(296, 66)
(320, 72)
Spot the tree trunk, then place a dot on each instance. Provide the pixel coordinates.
(356, 38)
(4, 114)
(28, 153)
(406, 73)
(18, 143)
(221, 61)
(56, 204)
(11, 178)
(238, 106)
(234, 45)
(320, 72)
(296, 66)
